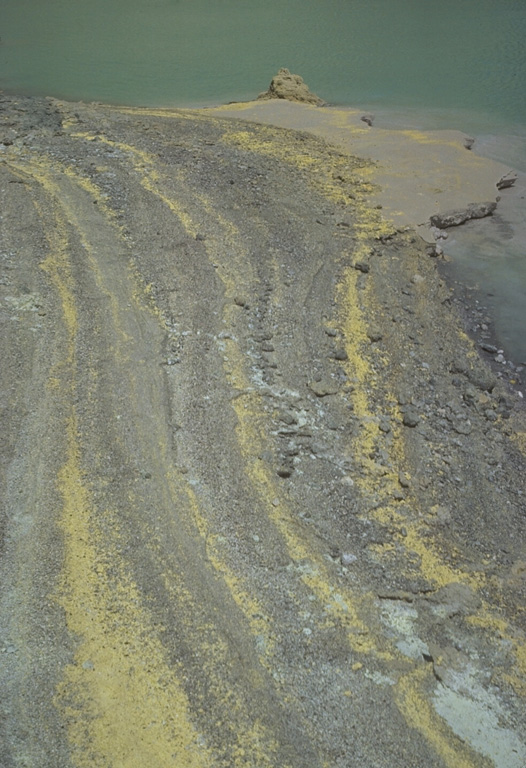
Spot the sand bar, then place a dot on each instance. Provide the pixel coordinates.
(418, 173)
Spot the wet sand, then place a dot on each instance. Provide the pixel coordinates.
(417, 174)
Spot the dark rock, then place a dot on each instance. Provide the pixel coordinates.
(470, 394)
(384, 425)
(433, 250)
(403, 397)
(455, 218)
(482, 378)
(323, 387)
(287, 418)
(241, 301)
(362, 266)
(508, 180)
(367, 118)
(411, 417)
(489, 348)
(374, 334)
(462, 427)
(458, 365)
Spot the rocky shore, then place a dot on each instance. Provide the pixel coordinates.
(262, 492)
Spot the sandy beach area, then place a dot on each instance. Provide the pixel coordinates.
(262, 492)
(417, 175)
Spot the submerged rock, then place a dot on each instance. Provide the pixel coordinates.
(285, 85)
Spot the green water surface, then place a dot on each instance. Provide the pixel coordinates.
(466, 54)
(422, 63)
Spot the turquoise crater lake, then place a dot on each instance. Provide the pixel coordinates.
(467, 55)
(452, 64)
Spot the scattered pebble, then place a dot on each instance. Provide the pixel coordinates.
(374, 334)
(362, 266)
(488, 347)
(324, 387)
(241, 301)
(411, 417)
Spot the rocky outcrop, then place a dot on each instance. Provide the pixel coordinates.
(454, 218)
(291, 87)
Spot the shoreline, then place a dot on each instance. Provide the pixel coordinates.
(411, 166)
(416, 171)
(262, 497)
(420, 174)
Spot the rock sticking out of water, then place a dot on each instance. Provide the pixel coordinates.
(455, 218)
(508, 180)
(285, 85)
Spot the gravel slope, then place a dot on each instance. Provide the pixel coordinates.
(262, 500)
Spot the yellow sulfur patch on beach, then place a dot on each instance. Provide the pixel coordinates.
(120, 698)
(416, 173)
(519, 438)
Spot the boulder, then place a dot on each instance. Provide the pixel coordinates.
(367, 118)
(454, 218)
(508, 180)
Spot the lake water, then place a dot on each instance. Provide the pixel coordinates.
(454, 63)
